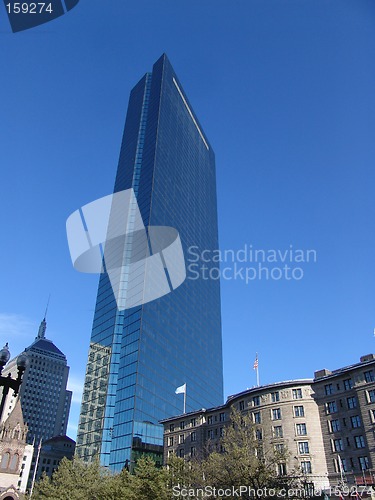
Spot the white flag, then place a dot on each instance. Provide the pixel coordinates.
(181, 389)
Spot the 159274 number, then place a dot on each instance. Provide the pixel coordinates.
(29, 8)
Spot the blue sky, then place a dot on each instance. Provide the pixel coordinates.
(285, 93)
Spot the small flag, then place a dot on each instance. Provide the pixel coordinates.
(256, 362)
(181, 389)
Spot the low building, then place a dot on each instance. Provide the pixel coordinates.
(327, 424)
(346, 401)
(52, 452)
(285, 417)
(15, 453)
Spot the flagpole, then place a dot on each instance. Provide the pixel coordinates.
(36, 467)
(256, 368)
(182, 390)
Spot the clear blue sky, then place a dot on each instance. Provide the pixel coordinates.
(284, 90)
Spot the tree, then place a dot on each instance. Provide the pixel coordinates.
(242, 460)
(149, 482)
(76, 480)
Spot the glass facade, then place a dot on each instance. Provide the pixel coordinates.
(139, 356)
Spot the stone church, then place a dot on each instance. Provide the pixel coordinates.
(15, 455)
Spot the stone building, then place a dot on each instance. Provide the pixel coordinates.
(346, 401)
(15, 454)
(52, 452)
(327, 424)
(285, 416)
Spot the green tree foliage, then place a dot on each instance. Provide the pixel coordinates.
(75, 480)
(242, 460)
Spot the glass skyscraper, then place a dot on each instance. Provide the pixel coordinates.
(139, 356)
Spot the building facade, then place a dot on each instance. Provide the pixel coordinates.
(15, 453)
(346, 401)
(327, 425)
(45, 401)
(52, 451)
(139, 356)
(285, 417)
(43, 395)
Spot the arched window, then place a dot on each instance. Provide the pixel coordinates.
(5, 460)
(14, 462)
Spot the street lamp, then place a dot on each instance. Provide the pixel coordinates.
(8, 382)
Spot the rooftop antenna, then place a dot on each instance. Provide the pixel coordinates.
(45, 314)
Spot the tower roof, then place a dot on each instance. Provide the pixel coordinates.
(42, 344)
(16, 416)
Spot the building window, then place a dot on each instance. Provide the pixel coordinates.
(222, 417)
(356, 421)
(182, 424)
(303, 448)
(301, 429)
(193, 451)
(335, 425)
(359, 442)
(275, 397)
(348, 384)
(331, 407)
(221, 431)
(170, 441)
(259, 434)
(256, 417)
(256, 401)
(371, 396)
(297, 393)
(363, 463)
(343, 464)
(279, 448)
(281, 469)
(181, 439)
(306, 467)
(193, 436)
(193, 422)
(337, 445)
(299, 411)
(5, 460)
(210, 434)
(369, 376)
(209, 420)
(352, 402)
(182, 453)
(171, 427)
(278, 431)
(242, 405)
(328, 389)
(276, 414)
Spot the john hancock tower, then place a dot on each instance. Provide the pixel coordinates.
(140, 355)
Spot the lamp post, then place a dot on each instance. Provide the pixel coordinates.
(9, 382)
